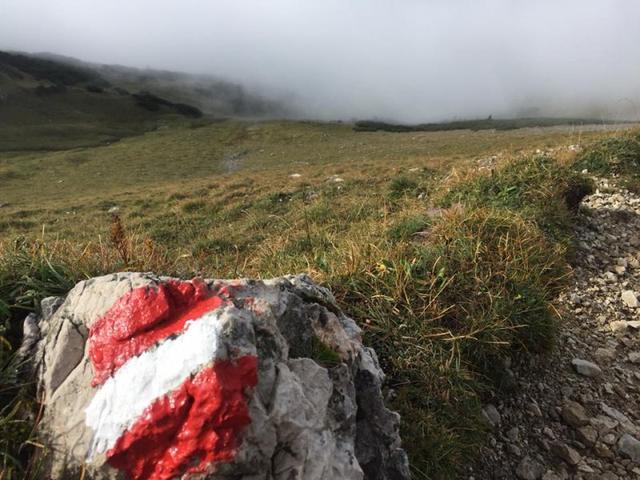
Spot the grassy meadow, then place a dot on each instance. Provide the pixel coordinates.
(448, 248)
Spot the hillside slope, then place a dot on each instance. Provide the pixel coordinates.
(211, 94)
(45, 105)
(57, 103)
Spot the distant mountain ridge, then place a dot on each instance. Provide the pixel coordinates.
(50, 102)
(212, 95)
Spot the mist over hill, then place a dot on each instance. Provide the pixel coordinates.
(49, 101)
(211, 94)
(404, 62)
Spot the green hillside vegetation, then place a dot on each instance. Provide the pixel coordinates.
(447, 267)
(618, 156)
(208, 93)
(45, 105)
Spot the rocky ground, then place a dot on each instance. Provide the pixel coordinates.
(576, 414)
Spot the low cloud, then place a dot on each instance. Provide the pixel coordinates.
(409, 61)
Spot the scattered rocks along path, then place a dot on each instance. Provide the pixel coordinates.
(576, 413)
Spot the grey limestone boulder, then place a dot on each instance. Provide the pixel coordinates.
(152, 377)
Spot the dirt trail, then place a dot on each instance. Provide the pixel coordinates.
(576, 414)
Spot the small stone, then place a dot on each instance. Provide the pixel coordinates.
(513, 434)
(604, 424)
(634, 357)
(605, 354)
(508, 382)
(534, 409)
(574, 414)
(583, 467)
(629, 447)
(629, 298)
(566, 391)
(609, 439)
(529, 469)
(566, 453)
(602, 450)
(551, 475)
(618, 326)
(587, 435)
(491, 416)
(616, 414)
(514, 450)
(586, 368)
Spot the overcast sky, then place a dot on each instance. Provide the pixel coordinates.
(406, 60)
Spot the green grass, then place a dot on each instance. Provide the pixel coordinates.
(442, 294)
(617, 156)
(538, 188)
(406, 228)
(27, 275)
(444, 312)
(48, 105)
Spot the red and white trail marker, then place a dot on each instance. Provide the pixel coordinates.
(170, 399)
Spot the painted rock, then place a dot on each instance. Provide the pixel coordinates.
(146, 377)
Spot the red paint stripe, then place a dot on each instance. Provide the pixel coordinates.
(143, 317)
(187, 430)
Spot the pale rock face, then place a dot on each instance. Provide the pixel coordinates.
(586, 368)
(315, 413)
(630, 299)
(629, 447)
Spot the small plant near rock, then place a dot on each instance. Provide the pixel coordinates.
(323, 354)
(119, 239)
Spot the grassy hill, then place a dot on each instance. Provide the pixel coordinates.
(46, 105)
(212, 95)
(446, 247)
(184, 159)
(56, 103)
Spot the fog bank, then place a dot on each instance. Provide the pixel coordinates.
(408, 61)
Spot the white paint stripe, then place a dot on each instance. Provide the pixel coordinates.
(122, 398)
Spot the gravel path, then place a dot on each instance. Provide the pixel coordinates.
(576, 413)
